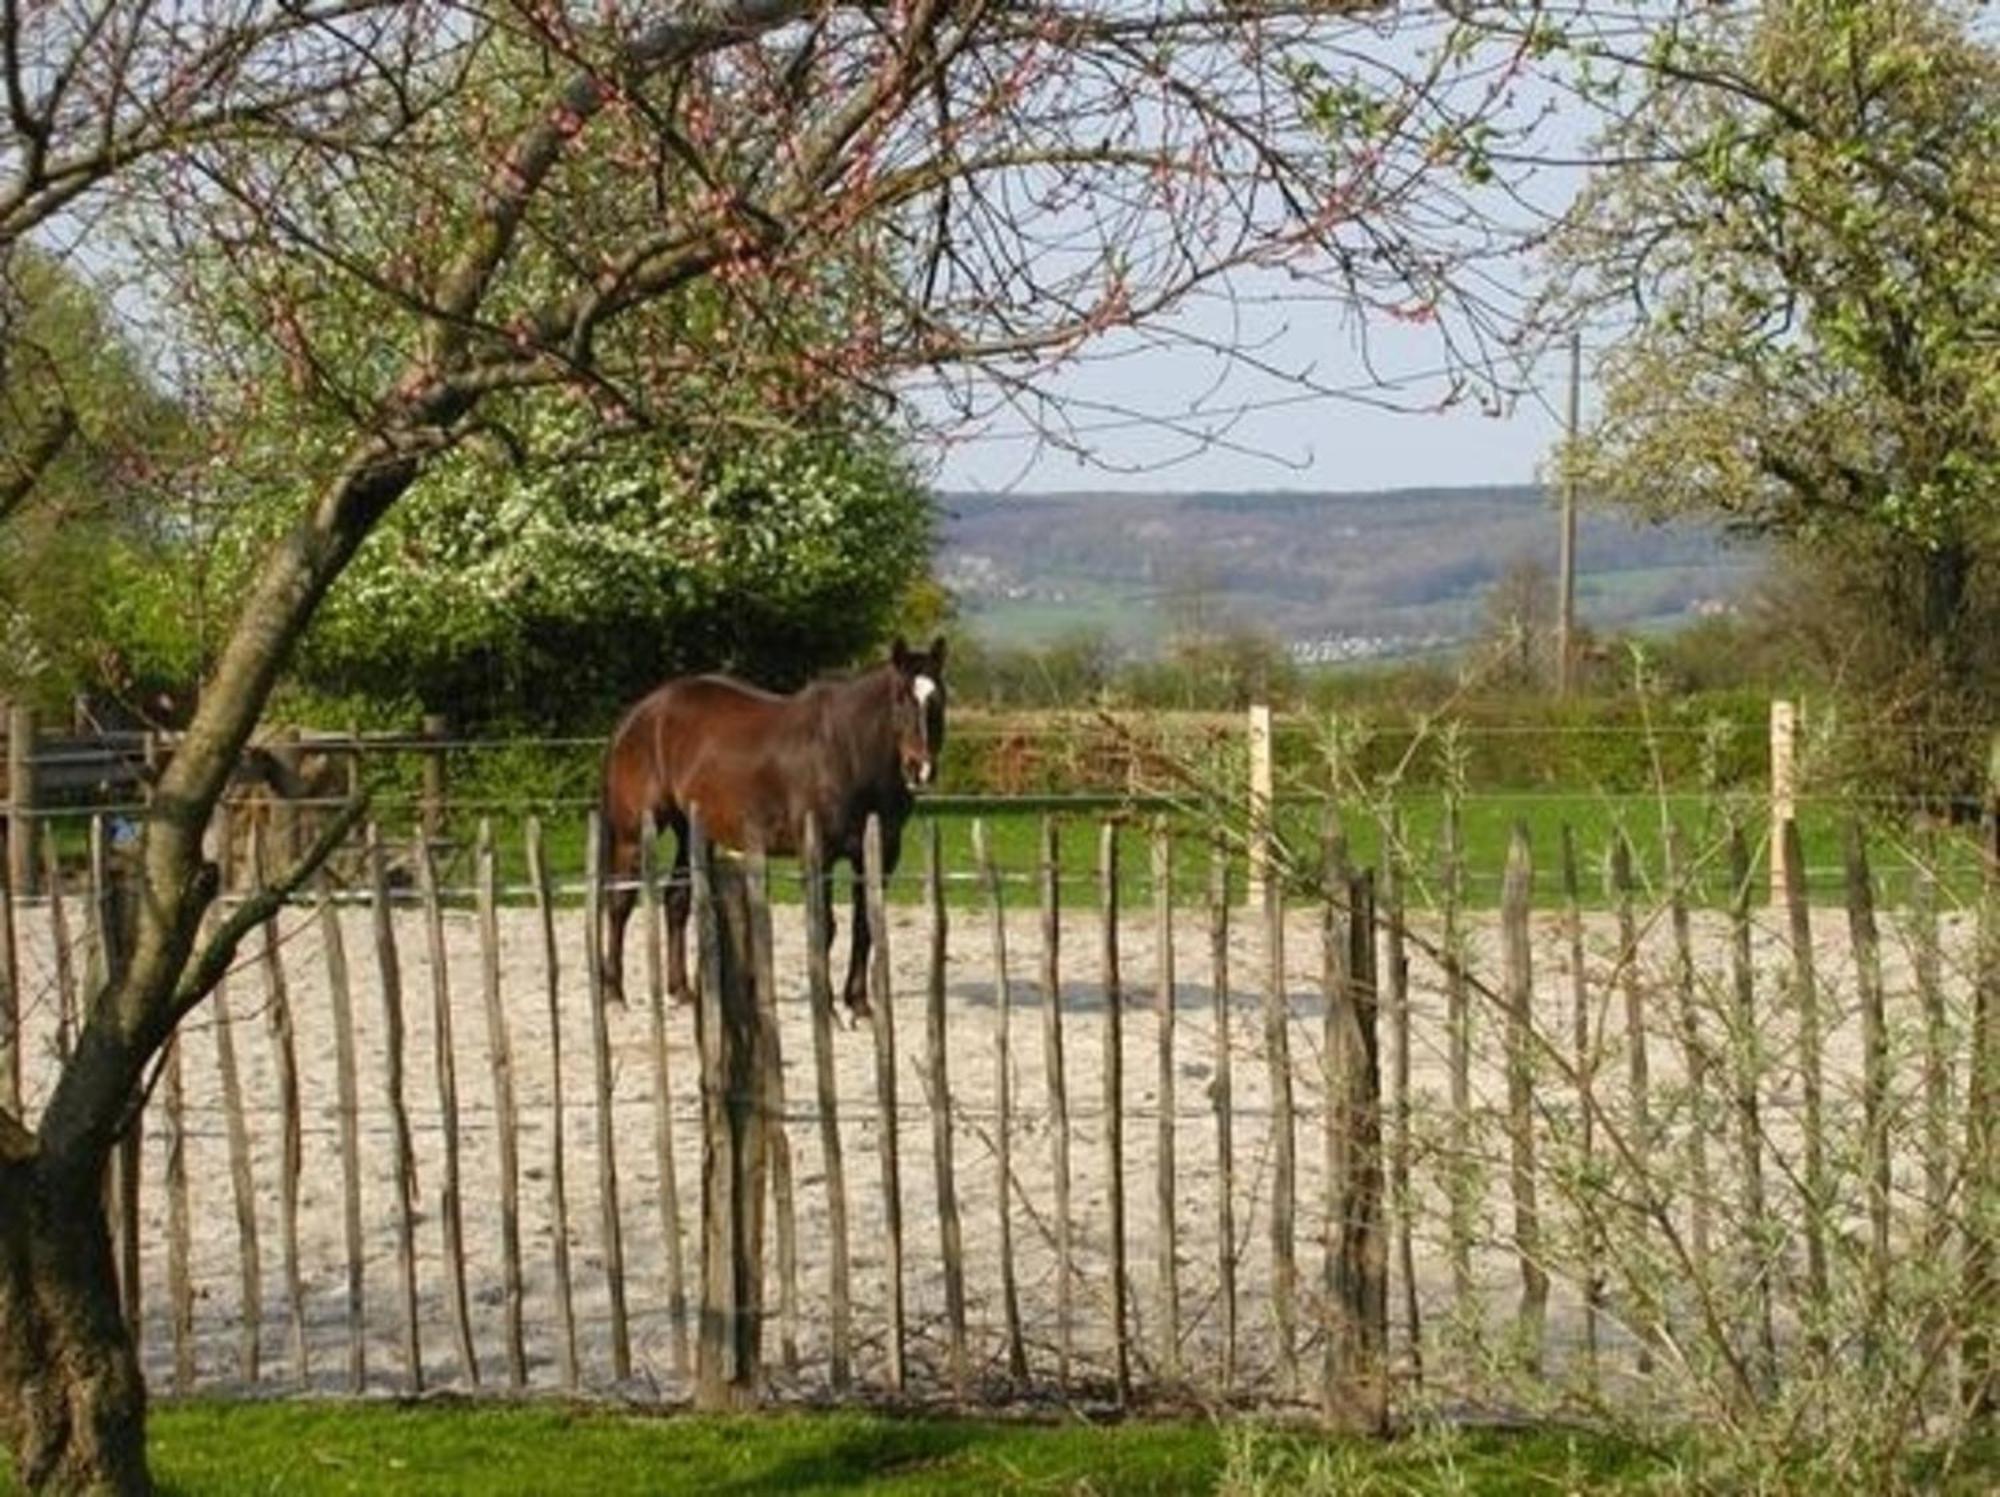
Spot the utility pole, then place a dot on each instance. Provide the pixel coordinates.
(1566, 606)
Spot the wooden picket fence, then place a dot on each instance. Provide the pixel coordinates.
(1388, 1153)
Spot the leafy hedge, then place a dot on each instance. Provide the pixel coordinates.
(1614, 745)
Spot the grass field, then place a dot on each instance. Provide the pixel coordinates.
(313, 1448)
(1014, 836)
(1487, 822)
(208, 1449)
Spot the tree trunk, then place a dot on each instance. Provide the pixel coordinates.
(72, 1404)
(1947, 577)
(1950, 684)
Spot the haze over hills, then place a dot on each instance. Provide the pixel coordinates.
(1331, 575)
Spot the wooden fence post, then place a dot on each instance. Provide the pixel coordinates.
(1638, 1064)
(1583, 1056)
(1819, 1203)
(1979, 1350)
(21, 805)
(1514, 897)
(729, 1348)
(1693, 1048)
(10, 996)
(538, 876)
(342, 1004)
(1114, 1106)
(771, 1104)
(611, 1231)
(285, 1061)
(1220, 1095)
(1010, 1294)
(1359, 1397)
(436, 728)
(500, 1065)
(1784, 786)
(1163, 1175)
(243, 1186)
(663, 1100)
(1052, 1061)
(950, 1241)
(65, 968)
(888, 1131)
(389, 972)
(451, 1212)
(1336, 1124)
(180, 1284)
(1865, 942)
(1284, 1135)
(1927, 964)
(1748, 1049)
(1467, 1310)
(1632, 984)
(819, 984)
(1395, 994)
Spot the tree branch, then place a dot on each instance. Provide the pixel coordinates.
(45, 444)
(213, 962)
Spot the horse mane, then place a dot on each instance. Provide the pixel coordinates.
(815, 690)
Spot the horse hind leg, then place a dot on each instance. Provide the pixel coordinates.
(621, 863)
(680, 898)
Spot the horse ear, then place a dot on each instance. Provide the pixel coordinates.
(899, 653)
(937, 653)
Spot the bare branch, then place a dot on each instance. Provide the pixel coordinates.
(212, 964)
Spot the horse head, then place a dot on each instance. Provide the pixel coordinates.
(918, 708)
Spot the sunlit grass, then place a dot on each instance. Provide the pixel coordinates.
(312, 1448)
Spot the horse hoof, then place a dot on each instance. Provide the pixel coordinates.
(682, 996)
(859, 1010)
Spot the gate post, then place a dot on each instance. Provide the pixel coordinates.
(436, 728)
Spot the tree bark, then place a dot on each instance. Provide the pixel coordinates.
(72, 1403)
(1947, 582)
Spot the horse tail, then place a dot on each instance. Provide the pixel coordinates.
(608, 827)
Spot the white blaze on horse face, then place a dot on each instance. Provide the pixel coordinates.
(923, 688)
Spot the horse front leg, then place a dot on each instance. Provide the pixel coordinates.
(864, 936)
(856, 991)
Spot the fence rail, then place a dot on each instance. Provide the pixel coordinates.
(1348, 1148)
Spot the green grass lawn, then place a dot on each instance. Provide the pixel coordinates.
(1487, 822)
(202, 1448)
(311, 1448)
(1014, 837)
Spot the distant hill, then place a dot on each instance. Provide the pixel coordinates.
(1332, 575)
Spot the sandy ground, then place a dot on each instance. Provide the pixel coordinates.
(972, 1054)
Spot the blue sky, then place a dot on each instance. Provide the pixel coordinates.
(1232, 428)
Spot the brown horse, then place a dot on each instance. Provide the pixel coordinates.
(754, 766)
